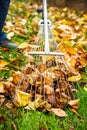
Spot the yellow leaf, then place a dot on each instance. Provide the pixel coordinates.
(64, 21)
(35, 104)
(5, 68)
(59, 112)
(73, 62)
(55, 32)
(1, 88)
(85, 88)
(28, 15)
(23, 45)
(74, 78)
(3, 63)
(71, 50)
(73, 110)
(21, 98)
(85, 16)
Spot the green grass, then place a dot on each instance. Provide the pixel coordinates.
(35, 120)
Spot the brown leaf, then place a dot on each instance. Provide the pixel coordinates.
(9, 89)
(9, 104)
(17, 77)
(59, 112)
(76, 107)
(2, 99)
(48, 90)
(2, 120)
(74, 102)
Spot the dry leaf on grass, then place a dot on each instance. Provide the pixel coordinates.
(23, 45)
(59, 112)
(3, 63)
(73, 110)
(13, 125)
(10, 35)
(73, 102)
(21, 98)
(9, 104)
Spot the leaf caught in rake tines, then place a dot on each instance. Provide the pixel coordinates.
(35, 104)
(17, 76)
(75, 78)
(21, 98)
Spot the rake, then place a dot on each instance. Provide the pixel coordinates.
(46, 78)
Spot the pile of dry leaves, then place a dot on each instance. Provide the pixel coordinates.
(43, 85)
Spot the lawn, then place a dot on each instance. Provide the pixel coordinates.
(22, 27)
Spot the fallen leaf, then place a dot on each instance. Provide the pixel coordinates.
(23, 21)
(74, 102)
(28, 15)
(13, 126)
(59, 112)
(85, 88)
(2, 120)
(35, 104)
(3, 63)
(21, 98)
(73, 110)
(2, 99)
(23, 45)
(9, 104)
(71, 50)
(48, 90)
(74, 78)
(9, 89)
(2, 88)
(17, 76)
(76, 107)
(3, 68)
(10, 35)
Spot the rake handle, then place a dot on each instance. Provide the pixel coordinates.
(45, 26)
